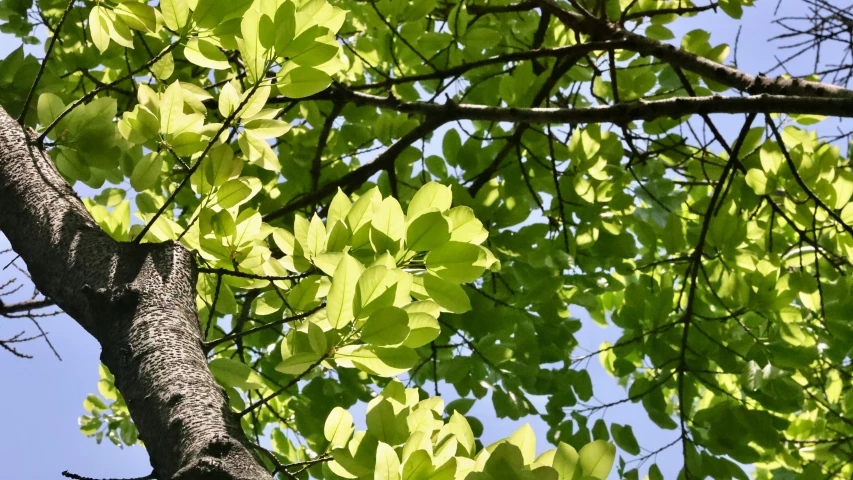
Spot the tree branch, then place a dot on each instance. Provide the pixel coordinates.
(675, 107)
(669, 11)
(560, 52)
(240, 334)
(47, 54)
(731, 77)
(93, 93)
(360, 175)
(138, 301)
(317, 162)
(25, 306)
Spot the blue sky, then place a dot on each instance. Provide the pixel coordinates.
(43, 397)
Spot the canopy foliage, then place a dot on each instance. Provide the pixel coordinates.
(421, 189)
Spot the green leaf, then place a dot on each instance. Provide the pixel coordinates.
(362, 210)
(146, 172)
(285, 25)
(339, 237)
(172, 108)
(205, 54)
(120, 33)
(254, 53)
(466, 227)
(436, 166)
(175, 13)
(424, 328)
(457, 262)
(673, 236)
(258, 151)
(624, 438)
(339, 302)
(432, 196)
(268, 303)
(212, 13)
(165, 67)
(306, 294)
(317, 53)
(137, 16)
(387, 326)
(237, 192)
(566, 462)
(339, 208)
(596, 459)
(229, 99)
(459, 426)
(525, 439)
(450, 146)
(418, 466)
(753, 376)
(427, 232)
(50, 106)
(659, 32)
(449, 296)
(303, 82)
(733, 8)
(317, 339)
(376, 289)
(480, 38)
(328, 262)
(220, 165)
(316, 240)
(235, 374)
(99, 28)
(338, 428)
(110, 197)
(93, 403)
(387, 463)
(298, 363)
(267, 128)
(505, 460)
(759, 182)
(389, 219)
(655, 473)
(381, 361)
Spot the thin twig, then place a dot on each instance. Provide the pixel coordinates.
(44, 61)
(91, 95)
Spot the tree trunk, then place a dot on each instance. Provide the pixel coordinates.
(138, 301)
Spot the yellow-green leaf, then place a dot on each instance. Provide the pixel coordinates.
(235, 374)
(339, 303)
(146, 172)
(205, 54)
(175, 13)
(303, 82)
(338, 428)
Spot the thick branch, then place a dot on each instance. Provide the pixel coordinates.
(138, 301)
(25, 306)
(511, 8)
(618, 114)
(731, 77)
(669, 11)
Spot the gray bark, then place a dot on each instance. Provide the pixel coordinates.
(138, 301)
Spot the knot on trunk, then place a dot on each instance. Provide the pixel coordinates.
(222, 458)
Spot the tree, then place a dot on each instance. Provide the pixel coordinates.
(329, 196)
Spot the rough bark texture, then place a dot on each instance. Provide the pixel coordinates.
(138, 301)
